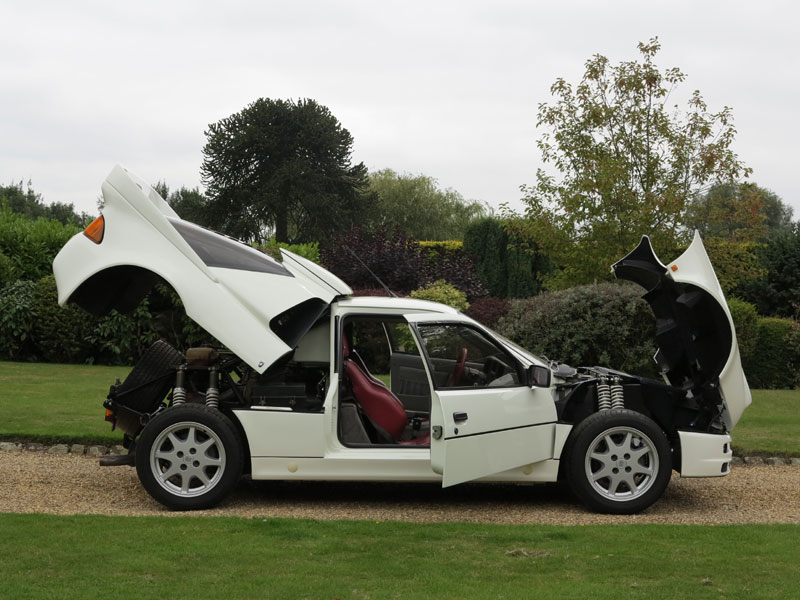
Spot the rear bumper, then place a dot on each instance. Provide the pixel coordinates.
(705, 454)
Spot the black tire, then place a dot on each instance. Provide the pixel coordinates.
(618, 461)
(189, 457)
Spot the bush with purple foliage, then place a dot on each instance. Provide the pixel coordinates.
(398, 261)
(489, 310)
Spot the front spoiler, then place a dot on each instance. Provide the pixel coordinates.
(705, 454)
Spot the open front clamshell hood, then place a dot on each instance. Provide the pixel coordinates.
(697, 348)
(256, 306)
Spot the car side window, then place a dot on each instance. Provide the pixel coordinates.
(461, 356)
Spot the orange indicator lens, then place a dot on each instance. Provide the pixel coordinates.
(95, 230)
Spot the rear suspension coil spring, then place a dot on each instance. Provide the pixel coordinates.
(617, 394)
(603, 395)
(179, 391)
(212, 393)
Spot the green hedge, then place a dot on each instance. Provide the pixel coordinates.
(28, 247)
(33, 327)
(745, 321)
(775, 360)
(606, 324)
(508, 266)
(17, 316)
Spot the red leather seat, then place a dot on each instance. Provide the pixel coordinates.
(378, 402)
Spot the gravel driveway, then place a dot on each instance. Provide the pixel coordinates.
(66, 485)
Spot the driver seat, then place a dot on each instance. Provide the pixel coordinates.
(379, 404)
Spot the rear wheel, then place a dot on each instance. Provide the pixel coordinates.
(189, 457)
(618, 462)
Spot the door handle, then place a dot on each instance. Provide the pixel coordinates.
(460, 417)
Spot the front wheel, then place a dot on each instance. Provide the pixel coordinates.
(189, 457)
(618, 461)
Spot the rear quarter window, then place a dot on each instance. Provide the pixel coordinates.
(216, 250)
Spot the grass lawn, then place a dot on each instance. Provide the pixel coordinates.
(48, 402)
(770, 425)
(200, 557)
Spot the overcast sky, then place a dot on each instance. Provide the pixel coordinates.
(449, 89)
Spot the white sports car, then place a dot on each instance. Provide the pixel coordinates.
(314, 384)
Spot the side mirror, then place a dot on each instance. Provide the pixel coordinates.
(538, 376)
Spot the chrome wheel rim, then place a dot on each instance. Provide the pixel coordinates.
(621, 464)
(187, 459)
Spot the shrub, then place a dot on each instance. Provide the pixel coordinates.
(486, 240)
(793, 351)
(444, 293)
(745, 320)
(508, 265)
(6, 270)
(447, 245)
(30, 246)
(489, 310)
(777, 291)
(395, 259)
(454, 266)
(401, 263)
(121, 339)
(773, 364)
(17, 314)
(309, 250)
(60, 334)
(605, 324)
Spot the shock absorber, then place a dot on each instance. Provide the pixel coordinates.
(212, 393)
(617, 394)
(179, 391)
(603, 395)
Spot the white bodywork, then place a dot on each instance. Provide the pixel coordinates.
(235, 306)
(512, 433)
(694, 266)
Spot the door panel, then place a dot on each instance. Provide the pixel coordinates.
(479, 455)
(488, 421)
(504, 428)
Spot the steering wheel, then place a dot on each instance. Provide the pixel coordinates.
(454, 377)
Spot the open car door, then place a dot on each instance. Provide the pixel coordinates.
(485, 419)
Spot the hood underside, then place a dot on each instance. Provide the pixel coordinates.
(697, 348)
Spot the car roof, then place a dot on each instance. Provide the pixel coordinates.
(404, 304)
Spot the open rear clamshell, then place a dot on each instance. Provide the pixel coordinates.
(256, 306)
(697, 347)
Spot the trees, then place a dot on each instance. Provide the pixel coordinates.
(416, 205)
(509, 266)
(28, 203)
(628, 164)
(777, 291)
(190, 204)
(738, 212)
(282, 168)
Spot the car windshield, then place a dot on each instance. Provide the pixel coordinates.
(520, 351)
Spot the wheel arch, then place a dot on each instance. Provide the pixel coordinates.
(247, 462)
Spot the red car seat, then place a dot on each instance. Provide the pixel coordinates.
(379, 404)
